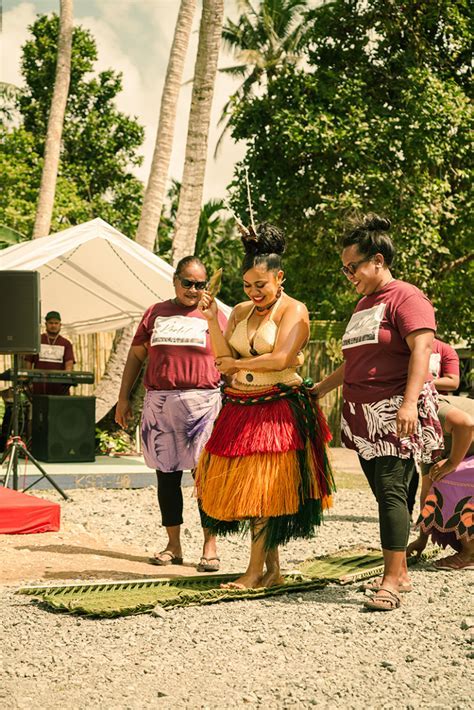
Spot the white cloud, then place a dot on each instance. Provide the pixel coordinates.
(134, 37)
(15, 34)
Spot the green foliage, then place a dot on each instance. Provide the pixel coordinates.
(380, 120)
(116, 442)
(217, 243)
(99, 143)
(9, 236)
(263, 40)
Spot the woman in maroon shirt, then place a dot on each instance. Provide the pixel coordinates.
(182, 399)
(390, 408)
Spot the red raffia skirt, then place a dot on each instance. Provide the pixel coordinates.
(266, 458)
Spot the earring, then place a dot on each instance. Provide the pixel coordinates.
(280, 288)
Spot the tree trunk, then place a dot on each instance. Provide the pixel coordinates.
(44, 209)
(187, 219)
(155, 190)
(108, 388)
(106, 392)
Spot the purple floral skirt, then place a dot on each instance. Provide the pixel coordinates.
(448, 513)
(370, 428)
(175, 426)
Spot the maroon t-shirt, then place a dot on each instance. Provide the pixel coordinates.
(374, 345)
(179, 348)
(444, 360)
(54, 354)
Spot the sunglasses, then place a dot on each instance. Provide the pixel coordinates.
(351, 269)
(188, 283)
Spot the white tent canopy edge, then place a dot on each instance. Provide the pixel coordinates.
(96, 277)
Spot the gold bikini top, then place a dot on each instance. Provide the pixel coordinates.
(263, 340)
(262, 343)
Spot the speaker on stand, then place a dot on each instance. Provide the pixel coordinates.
(20, 315)
(20, 312)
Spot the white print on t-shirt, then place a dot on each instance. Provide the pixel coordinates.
(435, 364)
(51, 353)
(363, 328)
(179, 330)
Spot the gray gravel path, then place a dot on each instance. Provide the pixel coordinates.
(318, 649)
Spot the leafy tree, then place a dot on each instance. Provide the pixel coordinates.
(99, 143)
(217, 242)
(380, 120)
(263, 41)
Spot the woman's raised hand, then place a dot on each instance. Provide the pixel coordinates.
(208, 306)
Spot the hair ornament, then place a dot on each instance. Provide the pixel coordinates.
(248, 234)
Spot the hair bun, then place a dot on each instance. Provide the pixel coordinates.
(374, 223)
(267, 239)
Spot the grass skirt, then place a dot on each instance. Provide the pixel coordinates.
(266, 458)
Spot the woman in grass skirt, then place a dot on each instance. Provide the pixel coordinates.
(265, 464)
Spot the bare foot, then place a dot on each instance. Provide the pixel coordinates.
(271, 578)
(247, 581)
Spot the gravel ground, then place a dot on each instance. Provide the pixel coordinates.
(319, 649)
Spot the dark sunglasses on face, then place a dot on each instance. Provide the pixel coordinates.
(351, 269)
(187, 283)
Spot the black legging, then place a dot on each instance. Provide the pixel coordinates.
(170, 498)
(389, 478)
(412, 491)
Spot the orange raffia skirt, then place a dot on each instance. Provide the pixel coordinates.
(266, 458)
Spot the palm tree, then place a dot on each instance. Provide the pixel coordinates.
(263, 41)
(52, 149)
(155, 190)
(107, 390)
(187, 219)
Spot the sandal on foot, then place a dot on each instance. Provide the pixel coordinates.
(208, 564)
(453, 562)
(166, 557)
(374, 586)
(387, 601)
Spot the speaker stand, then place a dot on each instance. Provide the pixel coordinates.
(16, 446)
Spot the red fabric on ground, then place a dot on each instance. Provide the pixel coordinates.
(22, 513)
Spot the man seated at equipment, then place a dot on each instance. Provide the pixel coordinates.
(56, 353)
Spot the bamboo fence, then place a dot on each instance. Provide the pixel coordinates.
(322, 355)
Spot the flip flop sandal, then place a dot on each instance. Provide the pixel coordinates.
(170, 559)
(208, 564)
(453, 562)
(374, 586)
(388, 601)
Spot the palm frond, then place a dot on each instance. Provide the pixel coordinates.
(237, 70)
(9, 236)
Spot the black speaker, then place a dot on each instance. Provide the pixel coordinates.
(63, 428)
(20, 312)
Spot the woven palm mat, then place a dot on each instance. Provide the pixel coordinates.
(124, 598)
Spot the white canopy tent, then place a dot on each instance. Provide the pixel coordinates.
(97, 278)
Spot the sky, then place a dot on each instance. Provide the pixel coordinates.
(134, 37)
